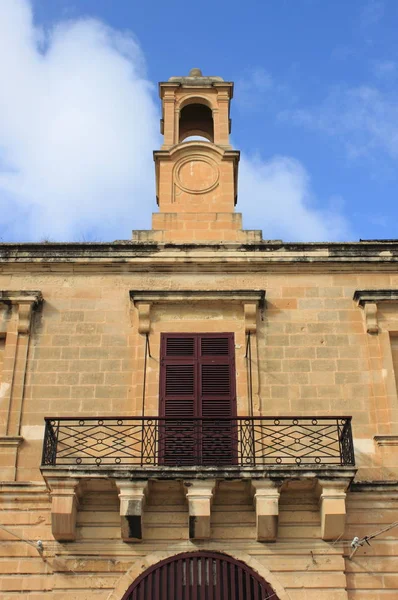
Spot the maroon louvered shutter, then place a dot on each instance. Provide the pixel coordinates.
(217, 398)
(197, 380)
(178, 397)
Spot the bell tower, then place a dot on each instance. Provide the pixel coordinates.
(196, 167)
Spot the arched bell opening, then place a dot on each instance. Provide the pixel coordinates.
(196, 120)
(210, 575)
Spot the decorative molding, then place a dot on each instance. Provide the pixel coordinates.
(243, 296)
(364, 296)
(192, 161)
(144, 316)
(64, 506)
(370, 311)
(132, 496)
(25, 301)
(386, 440)
(250, 312)
(368, 300)
(200, 497)
(266, 501)
(252, 300)
(332, 497)
(11, 441)
(15, 297)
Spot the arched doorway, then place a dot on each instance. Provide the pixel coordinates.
(200, 576)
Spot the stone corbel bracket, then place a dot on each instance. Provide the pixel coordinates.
(266, 502)
(25, 302)
(132, 495)
(252, 301)
(369, 300)
(332, 497)
(64, 505)
(200, 497)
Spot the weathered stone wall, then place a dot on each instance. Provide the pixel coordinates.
(312, 356)
(304, 566)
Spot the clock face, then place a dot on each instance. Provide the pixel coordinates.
(197, 175)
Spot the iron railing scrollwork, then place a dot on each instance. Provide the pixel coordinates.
(155, 441)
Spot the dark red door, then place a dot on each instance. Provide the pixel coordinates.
(197, 379)
(200, 575)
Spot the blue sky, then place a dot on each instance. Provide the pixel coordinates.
(315, 112)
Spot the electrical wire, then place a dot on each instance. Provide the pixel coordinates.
(358, 543)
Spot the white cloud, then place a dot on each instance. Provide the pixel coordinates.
(253, 87)
(78, 125)
(77, 130)
(364, 118)
(276, 196)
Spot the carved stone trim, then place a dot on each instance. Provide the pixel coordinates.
(14, 297)
(25, 301)
(132, 496)
(9, 441)
(368, 300)
(144, 316)
(64, 506)
(370, 310)
(243, 296)
(200, 496)
(386, 440)
(252, 300)
(266, 501)
(363, 296)
(332, 496)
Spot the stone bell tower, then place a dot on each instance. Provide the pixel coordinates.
(196, 168)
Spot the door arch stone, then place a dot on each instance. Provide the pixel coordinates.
(190, 574)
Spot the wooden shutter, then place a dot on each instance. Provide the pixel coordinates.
(217, 398)
(178, 397)
(197, 380)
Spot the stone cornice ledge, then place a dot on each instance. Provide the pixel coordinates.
(198, 295)
(368, 300)
(20, 296)
(361, 297)
(8, 441)
(386, 440)
(252, 300)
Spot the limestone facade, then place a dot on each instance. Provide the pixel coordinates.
(315, 329)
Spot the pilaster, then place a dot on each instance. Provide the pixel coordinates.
(21, 304)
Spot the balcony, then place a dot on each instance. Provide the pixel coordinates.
(263, 451)
(242, 443)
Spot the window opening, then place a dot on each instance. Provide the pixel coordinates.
(197, 399)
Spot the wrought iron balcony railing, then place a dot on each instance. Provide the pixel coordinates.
(156, 441)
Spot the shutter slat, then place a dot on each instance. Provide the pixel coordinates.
(180, 346)
(214, 346)
(180, 380)
(216, 380)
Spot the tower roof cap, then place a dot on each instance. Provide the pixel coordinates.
(195, 77)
